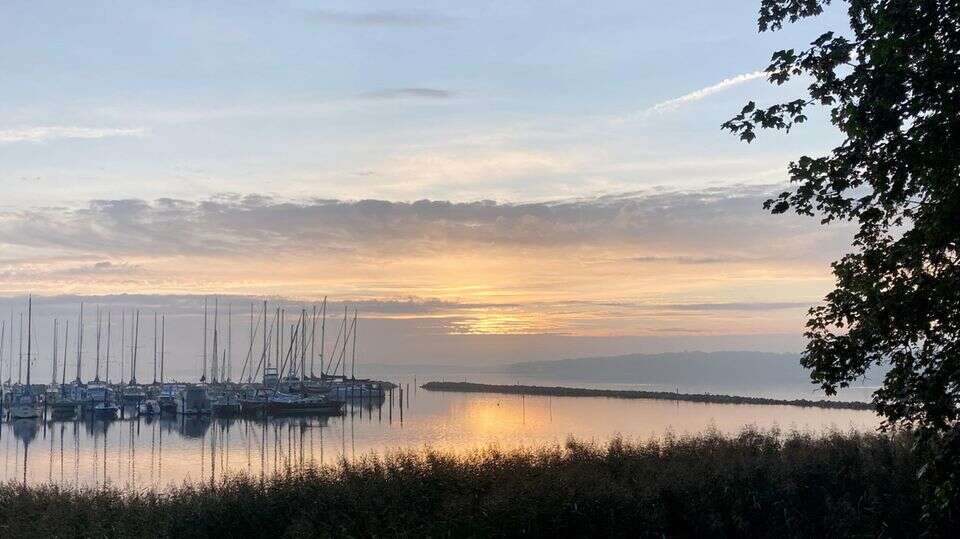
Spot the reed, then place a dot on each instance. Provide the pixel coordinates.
(758, 484)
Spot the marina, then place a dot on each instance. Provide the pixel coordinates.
(309, 383)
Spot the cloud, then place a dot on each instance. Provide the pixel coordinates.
(660, 307)
(737, 306)
(728, 259)
(702, 227)
(104, 267)
(45, 133)
(188, 304)
(381, 18)
(395, 93)
(481, 267)
(702, 93)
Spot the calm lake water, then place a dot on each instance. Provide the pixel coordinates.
(154, 453)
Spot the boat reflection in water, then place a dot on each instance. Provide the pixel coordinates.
(156, 450)
(26, 430)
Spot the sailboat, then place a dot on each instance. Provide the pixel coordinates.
(167, 398)
(286, 403)
(226, 403)
(193, 400)
(99, 393)
(134, 393)
(66, 402)
(105, 410)
(60, 406)
(26, 405)
(105, 406)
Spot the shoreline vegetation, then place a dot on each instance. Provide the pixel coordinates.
(755, 484)
(709, 398)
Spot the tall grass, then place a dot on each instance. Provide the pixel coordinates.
(758, 484)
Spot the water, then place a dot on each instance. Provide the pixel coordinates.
(141, 453)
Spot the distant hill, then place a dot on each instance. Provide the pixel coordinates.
(682, 368)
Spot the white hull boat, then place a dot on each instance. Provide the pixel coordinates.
(24, 411)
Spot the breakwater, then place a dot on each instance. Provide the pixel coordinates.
(560, 391)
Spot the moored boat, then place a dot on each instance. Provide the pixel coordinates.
(61, 405)
(96, 393)
(252, 405)
(227, 403)
(193, 400)
(286, 403)
(134, 394)
(105, 410)
(167, 399)
(25, 407)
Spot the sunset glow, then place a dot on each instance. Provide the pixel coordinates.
(464, 200)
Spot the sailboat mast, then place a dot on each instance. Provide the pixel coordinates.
(29, 339)
(313, 340)
(229, 367)
(266, 353)
(163, 341)
(203, 376)
(323, 334)
(20, 354)
(216, 324)
(80, 344)
(303, 346)
(3, 339)
(345, 335)
(290, 357)
(154, 347)
(66, 339)
(251, 332)
(353, 354)
(96, 373)
(53, 376)
(136, 345)
(107, 361)
(123, 343)
(252, 336)
(10, 362)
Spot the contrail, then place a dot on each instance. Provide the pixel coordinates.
(38, 134)
(703, 92)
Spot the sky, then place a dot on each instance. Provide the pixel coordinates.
(484, 181)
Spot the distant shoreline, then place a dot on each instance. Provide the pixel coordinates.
(559, 391)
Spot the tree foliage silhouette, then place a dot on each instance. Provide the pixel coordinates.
(892, 86)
